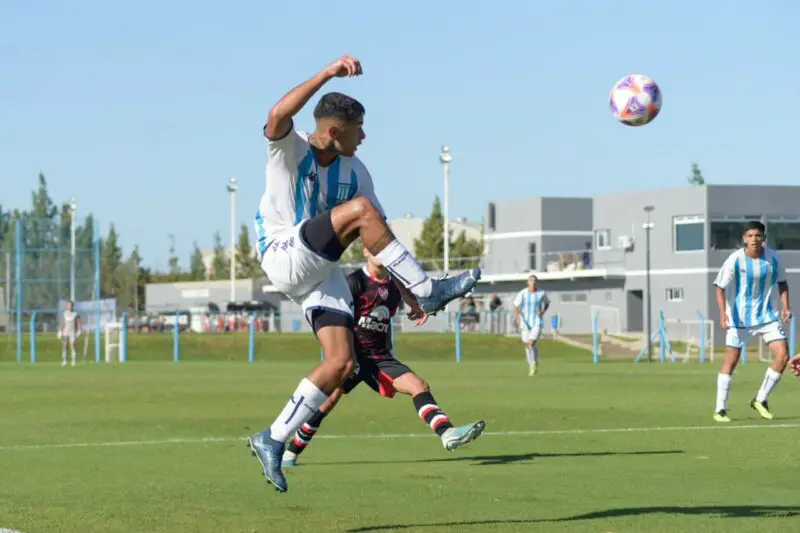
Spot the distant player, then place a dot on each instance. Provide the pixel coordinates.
(530, 305)
(69, 330)
(319, 198)
(377, 299)
(753, 299)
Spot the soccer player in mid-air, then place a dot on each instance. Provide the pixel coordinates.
(530, 305)
(319, 198)
(68, 332)
(753, 298)
(377, 299)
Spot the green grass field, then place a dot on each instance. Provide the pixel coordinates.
(615, 447)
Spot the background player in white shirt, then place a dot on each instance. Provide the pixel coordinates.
(69, 331)
(753, 299)
(530, 305)
(319, 198)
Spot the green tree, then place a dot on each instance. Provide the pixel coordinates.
(85, 259)
(247, 266)
(696, 177)
(40, 241)
(430, 244)
(173, 263)
(197, 269)
(220, 263)
(464, 248)
(110, 262)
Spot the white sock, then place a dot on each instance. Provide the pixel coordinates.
(529, 355)
(304, 403)
(405, 268)
(771, 379)
(723, 388)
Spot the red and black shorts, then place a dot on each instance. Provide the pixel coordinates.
(378, 373)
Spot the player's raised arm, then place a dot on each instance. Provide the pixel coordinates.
(279, 120)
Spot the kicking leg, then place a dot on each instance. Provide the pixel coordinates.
(306, 432)
(359, 217)
(334, 331)
(430, 413)
(724, 379)
(780, 358)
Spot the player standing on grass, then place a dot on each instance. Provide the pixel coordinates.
(530, 305)
(377, 299)
(69, 331)
(319, 198)
(750, 305)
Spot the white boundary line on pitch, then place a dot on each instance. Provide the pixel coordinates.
(542, 432)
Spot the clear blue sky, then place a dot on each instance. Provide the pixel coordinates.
(141, 110)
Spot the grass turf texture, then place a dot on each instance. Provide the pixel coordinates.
(160, 447)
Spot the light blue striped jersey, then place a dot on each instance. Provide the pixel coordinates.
(751, 294)
(298, 188)
(529, 304)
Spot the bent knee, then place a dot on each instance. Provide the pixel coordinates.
(363, 207)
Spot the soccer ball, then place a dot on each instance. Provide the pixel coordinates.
(635, 100)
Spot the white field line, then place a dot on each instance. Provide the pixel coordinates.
(543, 432)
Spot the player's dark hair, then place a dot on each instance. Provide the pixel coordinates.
(338, 105)
(755, 224)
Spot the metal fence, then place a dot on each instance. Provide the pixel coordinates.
(44, 262)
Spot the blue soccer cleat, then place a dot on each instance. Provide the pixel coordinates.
(446, 290)
(269, 453)
(459, 436)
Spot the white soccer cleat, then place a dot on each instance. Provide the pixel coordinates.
(459, 436)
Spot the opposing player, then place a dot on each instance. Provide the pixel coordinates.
(753, 298)
(530, 305)
(377, 299)
(319, 198)
(69, 330)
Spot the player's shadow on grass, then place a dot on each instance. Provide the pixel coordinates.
(489, 460)
(723, 511)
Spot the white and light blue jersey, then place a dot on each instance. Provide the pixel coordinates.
(529, 305)
(751, 295)
(298, 188)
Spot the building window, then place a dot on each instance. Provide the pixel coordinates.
(574, 297)
(602, 239)
(492, 215)
(783, 234)
(726, 232)
(675, 295)
(532, 256)
(689, 233)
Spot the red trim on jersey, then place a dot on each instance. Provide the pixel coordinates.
(299, 443)
(386, 385)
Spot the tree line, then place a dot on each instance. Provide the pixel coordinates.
(46, 235)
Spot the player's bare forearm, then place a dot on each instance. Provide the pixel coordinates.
(720, 295)
(408, 298)
(783, 290)
(516, 315)
(280, 116)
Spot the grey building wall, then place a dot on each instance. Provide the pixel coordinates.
(183, 295)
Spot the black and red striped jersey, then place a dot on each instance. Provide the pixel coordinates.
(375, 303)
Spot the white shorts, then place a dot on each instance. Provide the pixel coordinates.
(304, 276)
(530, 335)
(771, 332)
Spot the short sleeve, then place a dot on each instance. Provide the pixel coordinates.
(725, 274)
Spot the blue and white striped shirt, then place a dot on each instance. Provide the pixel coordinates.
(529, 305)
(298, 188)
(751, 295)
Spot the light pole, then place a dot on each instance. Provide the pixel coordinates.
(445, 157)
(232, 195)
(648, 226)
(73, 210)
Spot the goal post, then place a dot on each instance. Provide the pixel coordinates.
(692, 339)
(605, 319)
(116, 340)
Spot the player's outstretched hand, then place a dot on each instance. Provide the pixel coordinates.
(418, 315)
(794, 365)
(345, 66)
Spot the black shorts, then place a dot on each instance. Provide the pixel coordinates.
(379, 374)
